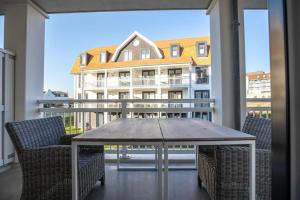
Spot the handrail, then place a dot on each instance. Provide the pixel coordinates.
(45, 101)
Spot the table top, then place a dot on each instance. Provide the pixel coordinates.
(124, 130)
(198, 130)
(161, 130)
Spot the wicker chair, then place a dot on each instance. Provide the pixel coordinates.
(44, 153)
(224, 170)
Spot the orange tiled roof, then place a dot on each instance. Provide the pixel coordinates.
(259, 75)
(188, 55)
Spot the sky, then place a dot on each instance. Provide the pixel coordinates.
(67, 35)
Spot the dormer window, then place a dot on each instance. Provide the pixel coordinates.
(201, 49)
(127, 55)
(83, 59)
(145, 54)
(174, 50)
(103, 57)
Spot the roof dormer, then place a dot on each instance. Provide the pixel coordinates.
(136, 42)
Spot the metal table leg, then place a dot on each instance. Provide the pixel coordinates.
(166, 168)
(74, 171)
(160, 181)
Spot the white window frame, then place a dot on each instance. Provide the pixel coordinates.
(127, 55)
(103, 57)
(83, 59)
(177, 50)
(204, 53)
(145, 55)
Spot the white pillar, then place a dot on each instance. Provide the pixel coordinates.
(24, 34)
(223, 57)
(243, 81)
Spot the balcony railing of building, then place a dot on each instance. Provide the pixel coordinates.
(78, 116)
(116, 82)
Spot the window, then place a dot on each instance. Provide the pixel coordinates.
(148, 77)
(145, 54)
(100, 79)
(202, 75)
(148, 95)
(175, 94)
(127, 55)
(124, 79)
(175, 76)
(202, 94)
(103, 57)
(100, 95)
(201, 49)
(123, 95)
(83, 59)
(174, 50)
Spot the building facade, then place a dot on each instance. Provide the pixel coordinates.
(258, 84)
(139, 68)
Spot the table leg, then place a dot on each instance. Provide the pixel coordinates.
(155, 161)
(252, 175)
(118, 158)
(166, 168)
(74, 172)
(160, 184)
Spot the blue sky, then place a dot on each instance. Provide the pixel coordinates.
(69, 34)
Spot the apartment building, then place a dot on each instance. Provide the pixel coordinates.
(258, 84)
(140, 68)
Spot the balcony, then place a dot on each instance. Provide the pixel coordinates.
(175, 81)
(144, 82)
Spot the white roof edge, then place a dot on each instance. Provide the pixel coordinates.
(135, 33)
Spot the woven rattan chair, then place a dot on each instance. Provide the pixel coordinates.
(44, 154)
(224, 170)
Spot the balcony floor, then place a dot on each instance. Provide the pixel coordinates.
(133, 185)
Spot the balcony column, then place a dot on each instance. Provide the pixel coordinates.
(158, 83)
(131, 84)
(24, 34)
(190, 90)
(225, 64)
(105, 115)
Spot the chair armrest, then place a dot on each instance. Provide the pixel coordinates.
(67, 139)
(57, 152)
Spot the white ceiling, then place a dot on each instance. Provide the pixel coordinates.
(63, 6)
(66, 6)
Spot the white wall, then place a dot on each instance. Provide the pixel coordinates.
(24, 35)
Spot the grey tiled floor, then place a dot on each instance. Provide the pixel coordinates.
(123, 185)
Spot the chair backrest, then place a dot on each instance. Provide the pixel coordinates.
(261, 128)
(35, 133)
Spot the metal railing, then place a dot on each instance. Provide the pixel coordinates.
(82, 115)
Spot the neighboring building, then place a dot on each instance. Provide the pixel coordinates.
(55, 95)
(139, 68)
(258, 84)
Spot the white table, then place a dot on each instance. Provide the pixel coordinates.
(120, 132)
(161, 133)
(200, 132)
